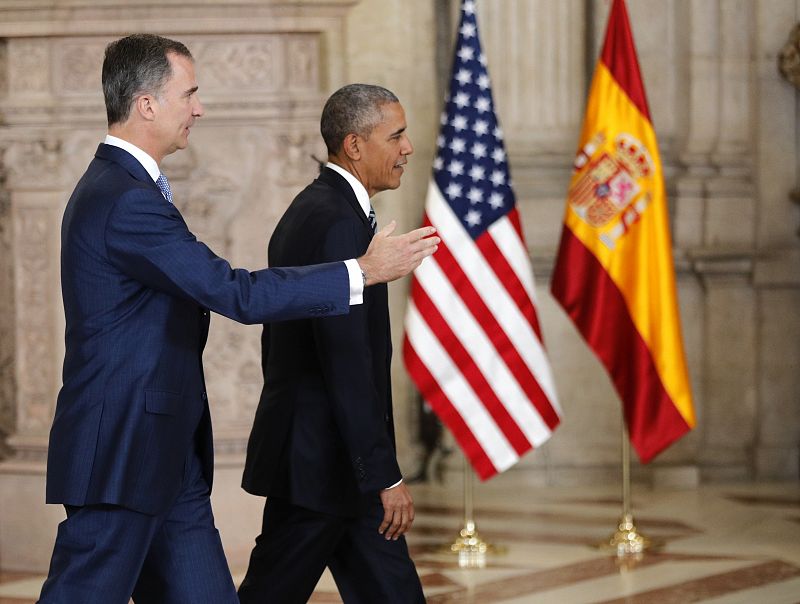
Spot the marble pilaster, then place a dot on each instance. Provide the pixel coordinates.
(777, 269)
(728, 390)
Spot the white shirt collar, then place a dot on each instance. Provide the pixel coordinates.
(361, 193)
(148, 163)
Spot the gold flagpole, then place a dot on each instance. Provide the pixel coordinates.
(627, 540)
(469, 546)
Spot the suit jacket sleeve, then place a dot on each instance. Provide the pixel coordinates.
(343, 346)
(148, 240)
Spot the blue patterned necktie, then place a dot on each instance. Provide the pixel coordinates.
(373, 221)
(163, 184)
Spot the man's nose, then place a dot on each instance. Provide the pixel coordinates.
(408, 148)
(198, 109)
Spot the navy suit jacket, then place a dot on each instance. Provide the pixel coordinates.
(137, 289)
(323, 436)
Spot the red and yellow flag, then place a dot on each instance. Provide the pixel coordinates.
(614, 274)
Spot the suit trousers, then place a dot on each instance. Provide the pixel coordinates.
(104, 554)
(296, 544)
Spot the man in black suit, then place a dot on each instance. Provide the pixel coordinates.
(322, 446)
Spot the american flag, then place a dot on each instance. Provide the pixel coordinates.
(473, 345)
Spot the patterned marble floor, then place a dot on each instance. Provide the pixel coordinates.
(721, 545)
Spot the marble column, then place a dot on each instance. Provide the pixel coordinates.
(777, 266)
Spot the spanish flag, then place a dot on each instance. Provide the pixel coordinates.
(614, 273)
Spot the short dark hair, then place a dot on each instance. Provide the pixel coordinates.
(353, 109)
(133, 66)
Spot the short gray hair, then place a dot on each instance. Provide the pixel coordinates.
(353, 109)
(136, 65)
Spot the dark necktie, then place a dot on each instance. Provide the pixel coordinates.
(163, 184)
(373, 222)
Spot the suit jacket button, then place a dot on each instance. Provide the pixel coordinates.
(204, 396)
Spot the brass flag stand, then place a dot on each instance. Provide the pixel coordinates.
(469, 546)
(627, 540)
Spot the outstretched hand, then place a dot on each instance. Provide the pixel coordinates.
(390, 257)
(398, 511)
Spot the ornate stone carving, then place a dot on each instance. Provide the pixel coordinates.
(236, 65)
(34, 327)
(3, 67)
(297, 166)
(233, 372)
(209, 200)
(7, 340)
(789, 57)
(303, 62)
(78, 66)
(34, 164)
(206, 200)
(29, 66)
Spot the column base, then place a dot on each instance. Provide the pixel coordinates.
(27, 525)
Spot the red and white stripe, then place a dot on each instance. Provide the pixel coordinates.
(473, 344)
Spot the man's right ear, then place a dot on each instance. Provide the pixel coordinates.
(144, 106)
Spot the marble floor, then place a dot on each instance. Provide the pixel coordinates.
(736, 544)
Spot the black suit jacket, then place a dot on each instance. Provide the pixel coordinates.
(323, 436)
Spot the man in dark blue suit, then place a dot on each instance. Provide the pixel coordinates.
(130, 453)
(322, 445)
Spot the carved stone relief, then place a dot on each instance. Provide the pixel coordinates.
(222, 185)
(29, 67)
(224, 167)
(789, 57)
(7, 339)
(35, 164)
(244, 63)
(298, 151)
(78, 64)
(34, 327)
(303, 62)
(3, 67)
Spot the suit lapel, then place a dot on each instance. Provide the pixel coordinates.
(337, 181)
(127, 161)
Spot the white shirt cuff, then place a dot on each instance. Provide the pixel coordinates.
(394, 485)
(356, 282)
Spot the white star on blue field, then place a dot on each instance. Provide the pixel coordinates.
(470, 167)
